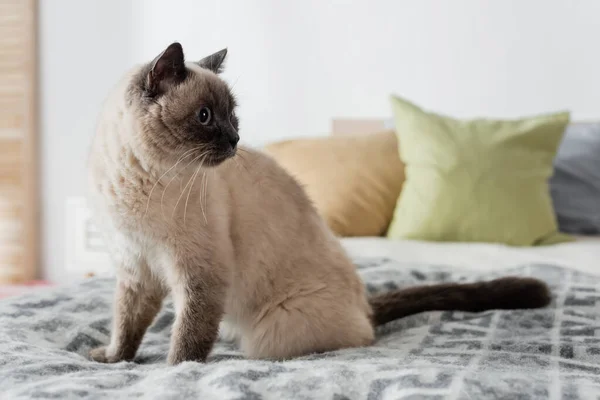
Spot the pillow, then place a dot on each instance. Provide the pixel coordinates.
(476, 180)
(575, 185)
(354, 180)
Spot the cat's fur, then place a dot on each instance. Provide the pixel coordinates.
(229, 233)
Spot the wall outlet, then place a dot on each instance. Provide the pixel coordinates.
(86, 253)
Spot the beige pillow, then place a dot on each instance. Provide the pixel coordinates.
(354, 181)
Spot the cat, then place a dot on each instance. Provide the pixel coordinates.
(231, 235)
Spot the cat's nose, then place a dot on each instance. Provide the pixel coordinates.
(234, 139)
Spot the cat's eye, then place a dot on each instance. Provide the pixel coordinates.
(205, 115)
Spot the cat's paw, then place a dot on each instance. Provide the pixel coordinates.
(101, 355)
(175, 357)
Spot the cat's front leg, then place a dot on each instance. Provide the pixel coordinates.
(137, 301)
(198, 294)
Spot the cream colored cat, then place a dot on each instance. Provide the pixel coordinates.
(229, 233)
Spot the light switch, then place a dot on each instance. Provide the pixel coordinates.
(85, 250)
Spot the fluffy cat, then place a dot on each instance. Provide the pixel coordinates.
(229, 233)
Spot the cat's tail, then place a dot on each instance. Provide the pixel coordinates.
(499, 294)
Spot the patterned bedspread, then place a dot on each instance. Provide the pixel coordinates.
(532, 354)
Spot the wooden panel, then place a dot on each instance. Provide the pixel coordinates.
(18, 194)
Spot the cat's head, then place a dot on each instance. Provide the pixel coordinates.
(184, 111)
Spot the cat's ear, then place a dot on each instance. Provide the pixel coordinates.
(214, 62)
(167, 68)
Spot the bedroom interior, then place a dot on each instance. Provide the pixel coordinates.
(439, 142)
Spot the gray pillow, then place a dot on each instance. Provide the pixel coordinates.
(575, 185)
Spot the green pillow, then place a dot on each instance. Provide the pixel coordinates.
(478, 180)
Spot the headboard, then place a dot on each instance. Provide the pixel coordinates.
(354, 126)
(357, 126)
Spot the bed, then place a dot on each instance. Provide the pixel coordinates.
(548, 353)
(552, 353)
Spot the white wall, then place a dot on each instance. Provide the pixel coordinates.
(296, 65)
(84, 48)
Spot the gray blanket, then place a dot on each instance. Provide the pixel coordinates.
(531, 354)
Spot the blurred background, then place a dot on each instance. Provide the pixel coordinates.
(294, 65)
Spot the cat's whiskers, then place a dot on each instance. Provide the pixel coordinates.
(189, 181)
(185, 155)
(205, 196)
(175, 176)
(190, 190)
(202, 184)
